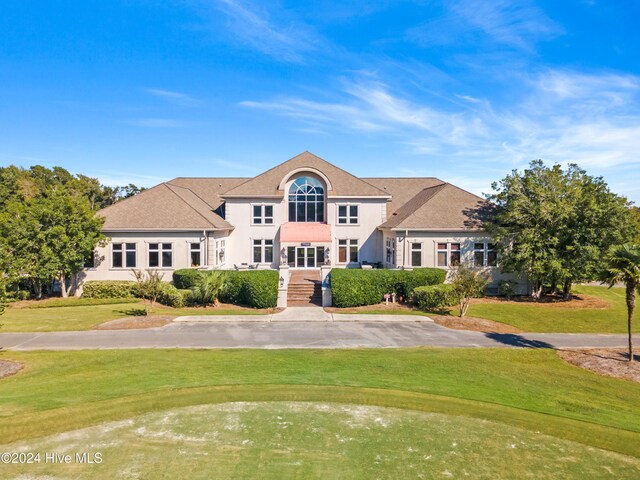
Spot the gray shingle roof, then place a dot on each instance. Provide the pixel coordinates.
(163, 207)
(441, 207)
(343, 183)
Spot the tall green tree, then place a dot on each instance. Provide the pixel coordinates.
(555, 225)
(624, 267)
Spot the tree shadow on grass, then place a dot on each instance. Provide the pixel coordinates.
(514, 340)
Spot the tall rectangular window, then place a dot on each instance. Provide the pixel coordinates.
(195, 253)
(123, 255)
(348, 214)
(262, 214)
(263, 251)
(448, 255)
(416, 254)
(160, 255)
(391, 251)
(348, 251)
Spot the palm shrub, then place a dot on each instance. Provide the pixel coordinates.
(207, 288)
(624, 266)
(467, 284)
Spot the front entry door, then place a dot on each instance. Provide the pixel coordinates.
(305, 257)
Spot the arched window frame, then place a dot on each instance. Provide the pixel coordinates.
(306, 200)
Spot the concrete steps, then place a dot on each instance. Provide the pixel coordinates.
(305, 289)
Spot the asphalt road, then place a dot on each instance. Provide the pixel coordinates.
(293, 334)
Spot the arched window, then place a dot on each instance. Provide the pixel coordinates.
(306, 200)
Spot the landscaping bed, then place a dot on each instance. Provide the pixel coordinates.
(8, 368)
(136, 322)
(611, 362)
(473, 324)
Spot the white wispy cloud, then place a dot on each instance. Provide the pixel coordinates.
(562, 116)
(254, 25)
(171, 96)
(515, 23)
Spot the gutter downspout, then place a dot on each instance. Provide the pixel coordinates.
(206, 248)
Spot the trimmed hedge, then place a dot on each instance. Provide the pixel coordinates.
(356, 287)
(109, 289)
(171, 296)
(254, 288)
(186, 278)
(434, 296)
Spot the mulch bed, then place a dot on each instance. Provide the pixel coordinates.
(127, 323)
(612, 362)
(8, 368)
(474, 324)
(577, 301)
(391, 308)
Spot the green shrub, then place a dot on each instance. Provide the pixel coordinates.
(356, 287)
(433, 297)
(187, 297)
(260, 289)
(109, 289)
(18, 295)
(186, 278)
(254, 288)
(170, 296)
(507, 288)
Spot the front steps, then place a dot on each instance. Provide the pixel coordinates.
(304, 289)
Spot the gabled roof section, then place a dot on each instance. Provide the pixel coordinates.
(208, 189)
(343, 183)
(402, 189)
(163, 207)
(441, 207)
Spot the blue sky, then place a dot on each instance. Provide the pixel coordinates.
(143, 91)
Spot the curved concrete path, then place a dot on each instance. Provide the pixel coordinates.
(407, 331)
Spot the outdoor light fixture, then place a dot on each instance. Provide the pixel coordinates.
(281, 281)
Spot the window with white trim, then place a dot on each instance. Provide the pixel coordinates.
(123, 255)
(347, 251)
(195, 253)
(416, 254)
(160, 255)
(263, 251)
(391, 251)
(448, 255)
(262, 214)
(348, 214)
(484, 254)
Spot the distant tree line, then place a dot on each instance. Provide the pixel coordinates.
(48, 226)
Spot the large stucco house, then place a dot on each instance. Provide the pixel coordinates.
(302, 214)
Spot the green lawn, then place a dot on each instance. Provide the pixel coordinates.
(83, 314)
(317, 440)
(532, 389)
(543, 318)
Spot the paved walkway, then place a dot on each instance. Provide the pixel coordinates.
(406, 331)
(302, 314)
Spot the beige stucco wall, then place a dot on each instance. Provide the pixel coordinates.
(430, 240)
(181, 259)
(372, 212)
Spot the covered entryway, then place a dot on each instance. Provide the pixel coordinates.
(305, 245)
(305, 257)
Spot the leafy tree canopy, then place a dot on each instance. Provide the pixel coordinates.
(556, 225)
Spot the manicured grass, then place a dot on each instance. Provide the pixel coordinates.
(318, 440)
(83, 314)
(531, 317)
(533, 389)
(56, 318)
(76, 302)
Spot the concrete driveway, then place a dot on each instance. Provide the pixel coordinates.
(408, 331)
